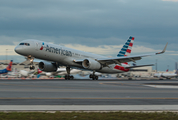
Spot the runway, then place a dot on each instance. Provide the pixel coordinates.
(88, 92)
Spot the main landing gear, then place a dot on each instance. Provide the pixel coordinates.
(68, 76)
(32, 67)
(93, 76)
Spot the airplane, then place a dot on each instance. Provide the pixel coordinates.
(166, 75)
(57, 55)
(60, 71)
(26, 73)
(7, 69)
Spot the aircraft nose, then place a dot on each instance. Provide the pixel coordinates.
(18, 49)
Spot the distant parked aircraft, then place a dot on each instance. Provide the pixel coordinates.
(6, 70)
(60, 71)
(166, 75)
(26, 73)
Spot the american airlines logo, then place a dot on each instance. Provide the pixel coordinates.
(56, 50)
(42, 46)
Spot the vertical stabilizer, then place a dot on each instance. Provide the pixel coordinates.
(9, 67)
(176, 72)
(127, 48)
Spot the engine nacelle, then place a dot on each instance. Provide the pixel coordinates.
(47, 66)
(91, 64)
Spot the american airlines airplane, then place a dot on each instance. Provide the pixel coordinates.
(57, 55)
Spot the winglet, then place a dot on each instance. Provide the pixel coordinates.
(163, 50)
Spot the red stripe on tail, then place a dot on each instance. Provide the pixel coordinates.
(128, 50)
(131, 44)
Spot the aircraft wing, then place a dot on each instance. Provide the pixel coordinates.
(119, 60)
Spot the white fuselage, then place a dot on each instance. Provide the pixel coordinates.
(63, 55)
(166, 75)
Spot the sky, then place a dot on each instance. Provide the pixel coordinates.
(100, 27)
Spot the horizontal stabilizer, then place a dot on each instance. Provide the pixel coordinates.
(139, 66)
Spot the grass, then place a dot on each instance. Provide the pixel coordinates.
(88, 116)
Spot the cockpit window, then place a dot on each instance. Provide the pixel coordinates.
(27, 44)
(21, 44)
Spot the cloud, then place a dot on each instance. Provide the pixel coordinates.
(152, 20)
(7, 50)
(171, 0)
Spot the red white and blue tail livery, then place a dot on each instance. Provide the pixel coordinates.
(127, 48)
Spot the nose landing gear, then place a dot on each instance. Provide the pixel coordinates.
(32, 67)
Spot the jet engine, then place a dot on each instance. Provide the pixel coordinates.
(91, 64)
(47, 66)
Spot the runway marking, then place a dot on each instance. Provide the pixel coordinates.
(41, 86)
(108, 83)
(121, 84)
(91, 98)
(163, 86)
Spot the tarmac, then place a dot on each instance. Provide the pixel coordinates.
(88, 95)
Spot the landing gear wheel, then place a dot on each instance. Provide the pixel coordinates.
(91, 76)
(94, 77)
(72, 77)
(32, 67)
(68, 77)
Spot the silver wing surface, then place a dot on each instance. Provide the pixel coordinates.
(119, 60)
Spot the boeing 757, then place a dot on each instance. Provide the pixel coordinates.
(57, 55)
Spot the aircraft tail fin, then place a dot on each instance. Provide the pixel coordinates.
(176, 71)
(9, 67)
(127, 48)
